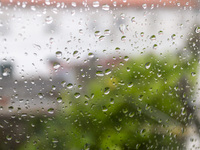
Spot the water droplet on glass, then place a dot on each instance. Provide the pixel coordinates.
(118, 128)
(126, 58)
(10, 108)
(133, 19)
(49, 20)
(173, 36)
(59, 99)
(91, 55)
(100, 73)
(56, 65)
(104, 108)
(160, 32)
(155, 46)
(97, 33)
(144, 6)
(70, 85)
(101, 38)
(122, 15)
(142, 34)
(9, 137)
(193, 74)
(58, 54)
(106, 90)
(77, 95)
(140, 97)
(51, 110)
(107, 71)
(130, 84)
(147, 65)
(95, 4)
(106, 7)
(117, 48)
(122, 28)
(159, 74)
(123, 38)
(107, 32)
(197, 29)
(75, 53)
(153, 37)
(74, 4)
(40, 95)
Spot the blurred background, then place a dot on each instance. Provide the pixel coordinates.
(87, 74)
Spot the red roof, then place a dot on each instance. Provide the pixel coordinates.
(111, 3)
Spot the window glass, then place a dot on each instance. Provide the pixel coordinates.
(104, 74)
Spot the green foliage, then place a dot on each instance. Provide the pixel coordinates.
(139, 105)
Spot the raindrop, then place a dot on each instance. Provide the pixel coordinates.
(70, 85)
(117, 48)
(173, 36)
(111, 100)
(118, 128)
(9, 137)
(197, 29)
(126, 58)
(123, 38)
(107, 32)
(101, 38)
(75, 53)
(155, 46)
(10, 108)
(104, 108)
(153, 37)
(193, 74)
(97, 33)
(160, 32)
(59, 99)
(106, 90)
(49, 20)
(51, 110)
(142, 34)
(133, 19)
(122, 28)
(140, 97)
(58, 54)
(40, 95)
(100, 73)
(56, 65)
(106, 7)
(74, 4)
(91, 55)
(147, 65)
(107, 71)
(159, 74)
(95, 4)
(130, 84)
(77, 95)
(144, 6)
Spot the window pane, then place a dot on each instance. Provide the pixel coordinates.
(102, 74)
